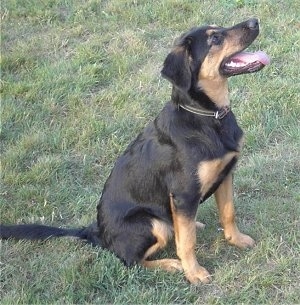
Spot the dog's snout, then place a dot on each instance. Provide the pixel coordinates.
(253, 24)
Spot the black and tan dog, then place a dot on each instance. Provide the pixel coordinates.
(178, 161)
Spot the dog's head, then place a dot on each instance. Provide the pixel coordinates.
(203, 58)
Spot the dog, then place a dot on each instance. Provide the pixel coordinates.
(184, 156)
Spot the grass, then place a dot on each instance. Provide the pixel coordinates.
(79, 80)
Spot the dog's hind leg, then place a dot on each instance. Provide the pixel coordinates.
(162, 233)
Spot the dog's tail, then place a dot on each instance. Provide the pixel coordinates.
(42, 232)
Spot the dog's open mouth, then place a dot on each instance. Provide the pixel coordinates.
(244, 62)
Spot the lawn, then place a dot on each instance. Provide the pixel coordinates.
(79, 80)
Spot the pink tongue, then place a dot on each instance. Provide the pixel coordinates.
(248, 57)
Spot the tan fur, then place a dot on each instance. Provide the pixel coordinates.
(210, 80)
(216, 89)
(224, 199)
(185, 239)
(163, 232)
(209, 171)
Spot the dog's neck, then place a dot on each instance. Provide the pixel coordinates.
(219, 114)
(198, 103)
(216, 90)
(199, 99)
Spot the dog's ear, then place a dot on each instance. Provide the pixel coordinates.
(177, 68)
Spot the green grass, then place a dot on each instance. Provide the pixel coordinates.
(79, 80)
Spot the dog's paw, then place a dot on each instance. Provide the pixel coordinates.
(170, 265)
(173, 265)
(241, 240)
(198, 275)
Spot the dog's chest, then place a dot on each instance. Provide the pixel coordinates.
(211, 172)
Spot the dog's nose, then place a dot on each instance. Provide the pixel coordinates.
(253, 24)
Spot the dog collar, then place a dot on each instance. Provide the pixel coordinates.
(219, 115)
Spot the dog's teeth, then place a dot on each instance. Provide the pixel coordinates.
(231, 64)
(234, 64)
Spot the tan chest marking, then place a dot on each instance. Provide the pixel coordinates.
(209, 171)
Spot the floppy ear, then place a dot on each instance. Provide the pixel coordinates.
(177, 69)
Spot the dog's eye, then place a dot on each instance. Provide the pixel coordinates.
(216, 39)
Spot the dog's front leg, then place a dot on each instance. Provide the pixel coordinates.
(224, 199)
(185, 239)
